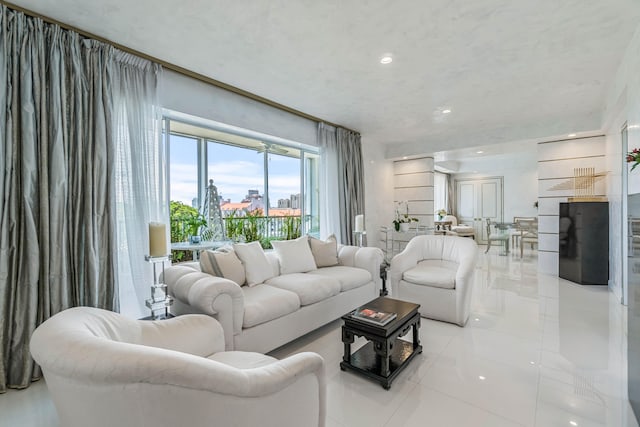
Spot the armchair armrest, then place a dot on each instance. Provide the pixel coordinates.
(216, 296)
(367, 258)
(399, 264)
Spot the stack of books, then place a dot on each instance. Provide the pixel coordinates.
(379, 318)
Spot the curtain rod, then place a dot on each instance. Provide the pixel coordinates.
(176, 68)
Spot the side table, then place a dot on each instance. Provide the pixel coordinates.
(385, 355)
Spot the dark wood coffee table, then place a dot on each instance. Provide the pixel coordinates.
(385, 355)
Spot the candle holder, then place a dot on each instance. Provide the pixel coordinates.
(160, 301)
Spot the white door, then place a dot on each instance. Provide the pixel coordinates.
(477, 200)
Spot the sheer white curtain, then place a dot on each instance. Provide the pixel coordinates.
(329, 179)
(440, 192)
(141, 194)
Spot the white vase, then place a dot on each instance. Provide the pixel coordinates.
(404, 227)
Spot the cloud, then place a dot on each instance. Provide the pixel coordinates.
(233, 180)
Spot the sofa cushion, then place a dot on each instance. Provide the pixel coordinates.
(325, 253)
(349, 277)
(255, 262)
(263, 303)
(310, 288)
(431, 272)
(294, 255)
(243, 359)
(223, 263)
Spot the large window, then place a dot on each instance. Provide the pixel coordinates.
(183, 169)
(266, 188)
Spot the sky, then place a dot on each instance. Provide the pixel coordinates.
(233, 170)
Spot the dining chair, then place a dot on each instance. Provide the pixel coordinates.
(528, 233)
(497, 236)
(515, 232)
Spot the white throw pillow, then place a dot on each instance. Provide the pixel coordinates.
(325, 253)
(294, 255)
(255, 262)
(223, 263)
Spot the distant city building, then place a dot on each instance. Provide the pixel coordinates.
(284, 212)
(284, 203)
(195, 203)
(252, 194)
(295, 201)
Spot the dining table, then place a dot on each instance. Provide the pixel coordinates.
(523, 229)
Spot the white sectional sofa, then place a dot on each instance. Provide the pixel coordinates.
(286, 306)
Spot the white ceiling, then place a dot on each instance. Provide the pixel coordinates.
(509, 70)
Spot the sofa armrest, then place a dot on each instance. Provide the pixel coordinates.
(216, 296)
(367, 258)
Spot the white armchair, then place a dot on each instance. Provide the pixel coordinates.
(437, 273)
(104, 369)
(461, 230)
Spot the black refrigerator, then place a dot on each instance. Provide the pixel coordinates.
(583, 248)
(633, 298)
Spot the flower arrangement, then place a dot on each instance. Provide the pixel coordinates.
(633, 157)
(402, 215)
(441, 212)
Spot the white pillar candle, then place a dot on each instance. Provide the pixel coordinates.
(157, 239)
(359, 228)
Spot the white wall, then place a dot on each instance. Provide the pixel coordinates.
(520, 174)
(413, 182)
(622, 106)
(556, 163)
(378, 185)
(188, 95)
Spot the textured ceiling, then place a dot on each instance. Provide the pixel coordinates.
(509, 70)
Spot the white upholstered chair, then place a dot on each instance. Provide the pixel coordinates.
(461, 230)
(104, 369)
(436, 272)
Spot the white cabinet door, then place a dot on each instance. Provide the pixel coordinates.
(477, 200)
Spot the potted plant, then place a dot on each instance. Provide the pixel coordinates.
(441, 213)
(633, 156)
(403, 220)
(192, 224)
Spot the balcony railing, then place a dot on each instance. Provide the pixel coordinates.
(262, 228)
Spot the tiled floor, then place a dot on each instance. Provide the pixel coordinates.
(537, 351)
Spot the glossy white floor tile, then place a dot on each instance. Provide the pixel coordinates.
(537, 351)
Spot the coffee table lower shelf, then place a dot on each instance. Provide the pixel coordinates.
(368, 363)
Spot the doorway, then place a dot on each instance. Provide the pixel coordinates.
(477, 200)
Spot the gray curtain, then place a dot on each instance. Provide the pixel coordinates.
(351, 181)
(451, 206)
(57, 210)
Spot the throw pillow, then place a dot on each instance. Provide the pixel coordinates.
(294, 255)
(325, 253)
(223, 263)
(256, 264)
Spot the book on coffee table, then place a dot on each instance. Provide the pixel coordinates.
(375, 317)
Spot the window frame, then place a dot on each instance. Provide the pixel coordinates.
(169, 116)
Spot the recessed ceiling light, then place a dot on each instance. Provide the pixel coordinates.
(386, 59)
(479, 152)
(405, 158)
(571, 135)
(446, 111)
(481, 377)
(476, 319)
(532, 362)
(573, 423)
